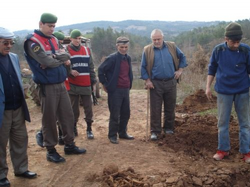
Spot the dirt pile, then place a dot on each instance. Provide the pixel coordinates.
(196, 102)
(127, 178)
(184, 159)
(192, 147)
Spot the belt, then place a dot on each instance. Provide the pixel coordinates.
(164, 80)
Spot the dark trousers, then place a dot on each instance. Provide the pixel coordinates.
(56, 106)
(163, 92)
(87, 106)
(119, 107)
(14, 131)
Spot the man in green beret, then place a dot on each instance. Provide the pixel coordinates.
(39, 135)
(49, 73)
(81, 79)
(48, 18)
(230, 64)
(60, 36)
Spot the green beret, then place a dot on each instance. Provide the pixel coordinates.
(48, 18)
(122, 40)
(59, 35)
(75, 33)
(233, 31)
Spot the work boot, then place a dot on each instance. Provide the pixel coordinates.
(90, 134)
(39, 138)
(114, 140)
(60, 141)
(126, 137)
(53, 156)
(75, 130)
(5, 182)
(153, 136)
(73, 149)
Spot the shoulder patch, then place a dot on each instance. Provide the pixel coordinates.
(35, 47)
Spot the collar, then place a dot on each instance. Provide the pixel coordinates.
(75, 48)
(41, 34)
(163, 45)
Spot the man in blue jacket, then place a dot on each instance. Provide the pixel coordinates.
(115, 73)
(230, 64)
(48, 66)
(13, 112)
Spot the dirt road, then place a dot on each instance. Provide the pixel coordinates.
(182, 159)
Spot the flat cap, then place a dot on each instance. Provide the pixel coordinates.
(59, 35)
(233, 31)
(122, 39)
(75, 33)
(48, 18)
(6, 34)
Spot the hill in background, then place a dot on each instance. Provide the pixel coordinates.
(142, 28)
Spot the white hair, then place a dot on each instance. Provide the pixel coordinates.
(157, 31)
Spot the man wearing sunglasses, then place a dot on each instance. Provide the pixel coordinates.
(13, 112)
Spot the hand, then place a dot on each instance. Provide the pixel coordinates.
(149, 84)
(74, 73)
(209, 94)
(61, 50)
(93, 86)
(43, 66)
(67, 63)
(178, 73)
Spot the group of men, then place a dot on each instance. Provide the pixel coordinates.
(66, 75)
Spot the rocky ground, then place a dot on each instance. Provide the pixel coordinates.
(183, 159)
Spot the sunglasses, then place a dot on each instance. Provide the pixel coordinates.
(6, 43)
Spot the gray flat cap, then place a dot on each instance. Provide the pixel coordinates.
(6, 34)
(122, 40)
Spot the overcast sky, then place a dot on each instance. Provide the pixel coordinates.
(25, 14)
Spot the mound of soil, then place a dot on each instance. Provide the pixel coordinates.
(196, 102)
(183, 159)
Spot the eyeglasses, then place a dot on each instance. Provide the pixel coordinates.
(6, 43)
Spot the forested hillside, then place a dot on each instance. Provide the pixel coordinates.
(141, 28)
(197, 45)
(196, 42)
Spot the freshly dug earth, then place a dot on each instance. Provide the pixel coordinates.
(183, 159)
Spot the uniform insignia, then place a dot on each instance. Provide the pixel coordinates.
(36, 48)
(32, 45)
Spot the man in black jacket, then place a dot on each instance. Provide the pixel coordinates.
(115, 73)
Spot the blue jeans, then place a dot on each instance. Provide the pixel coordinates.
(241, 104)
